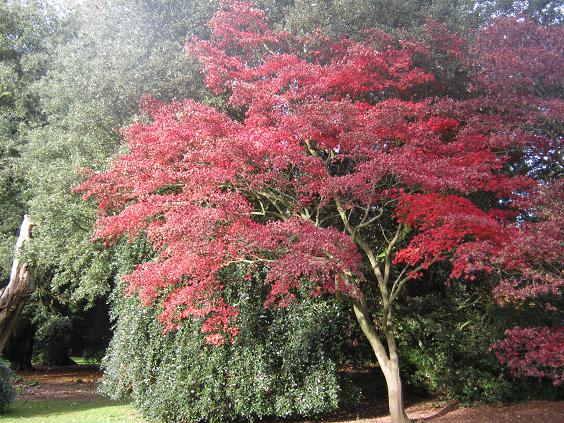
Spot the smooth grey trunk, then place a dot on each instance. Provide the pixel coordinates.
(14, 295)
(395, 393)
(387, 359)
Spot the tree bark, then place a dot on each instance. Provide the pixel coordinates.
(395, 393)
(13, 296)
(387, 360)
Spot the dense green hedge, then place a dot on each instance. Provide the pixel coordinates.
(7, 392)
(284, 361)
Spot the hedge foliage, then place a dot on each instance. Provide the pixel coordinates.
(283, 362)
(7, 392)
(445, 337)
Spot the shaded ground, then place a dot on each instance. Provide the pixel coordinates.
(78, 383)
(527, 412)
(65, 383)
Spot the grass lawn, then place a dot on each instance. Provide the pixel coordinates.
(98, 411)
(81, 361)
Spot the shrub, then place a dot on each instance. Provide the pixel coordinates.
(7, 392)
(52, 339)
(283, 362)
(280, 364)
(446, 343)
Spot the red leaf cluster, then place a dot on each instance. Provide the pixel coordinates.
(534, 352)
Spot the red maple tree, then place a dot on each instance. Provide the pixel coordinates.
(336, 165)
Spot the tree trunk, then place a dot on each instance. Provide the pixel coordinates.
(19, 348)
(395, 393)
(13, 296)
(388, 361)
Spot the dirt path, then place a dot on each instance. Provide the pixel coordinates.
(80, 383)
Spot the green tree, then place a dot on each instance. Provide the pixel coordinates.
(543, 11)
(28, 32)
(350, 17)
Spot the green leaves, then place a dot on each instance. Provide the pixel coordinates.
(7, 392)
(280, 365)
(25, 34)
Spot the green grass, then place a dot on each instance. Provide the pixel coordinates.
(81, 361)
(98, 411)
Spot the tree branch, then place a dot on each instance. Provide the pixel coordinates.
(366, 248)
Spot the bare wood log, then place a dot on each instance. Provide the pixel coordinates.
(21, 285)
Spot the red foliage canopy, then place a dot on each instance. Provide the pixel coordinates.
(331, 152)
